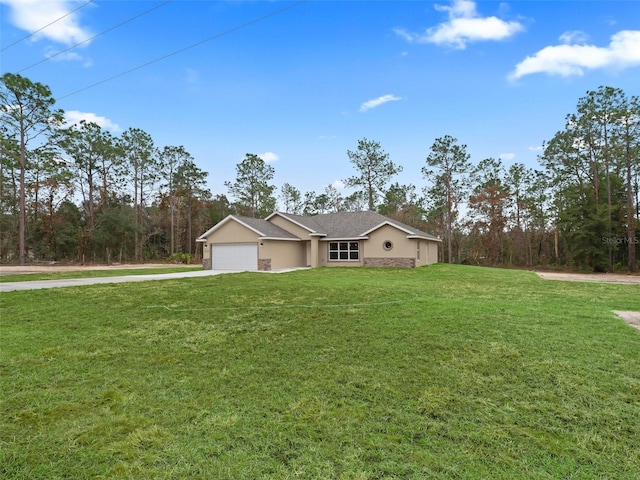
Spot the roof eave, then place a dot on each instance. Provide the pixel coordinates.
(281, 238)
(433, 239)
(203, 237)
(344, 239)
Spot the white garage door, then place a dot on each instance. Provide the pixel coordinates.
(235, 257)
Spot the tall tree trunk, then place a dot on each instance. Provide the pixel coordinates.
(22, 215)
(189, 242)
(136, 212)
(449, 240)
(449, 220)
(631, 226)
(607, 163)
(142, 234)
(172, 249)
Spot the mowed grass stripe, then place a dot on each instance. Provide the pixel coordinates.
(28, 277)
(437, 372)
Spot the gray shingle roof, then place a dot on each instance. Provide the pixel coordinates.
(266, 229)
(350, 224)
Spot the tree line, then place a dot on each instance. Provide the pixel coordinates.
(80, 193)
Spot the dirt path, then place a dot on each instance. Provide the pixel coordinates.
(592, 277)
(632, 318)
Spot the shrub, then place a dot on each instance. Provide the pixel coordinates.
(185, 258)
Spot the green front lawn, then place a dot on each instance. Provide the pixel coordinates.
(344, 373)
(27, 277)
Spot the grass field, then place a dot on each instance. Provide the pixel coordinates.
(27, 277)
(438, 372)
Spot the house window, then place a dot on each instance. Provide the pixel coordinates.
(387, 245)
(344, 251)
(418, 252)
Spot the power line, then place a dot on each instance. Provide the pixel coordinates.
(193, 45)
(97, 35)
(47, 25)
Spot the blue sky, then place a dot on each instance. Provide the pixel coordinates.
(300, 83)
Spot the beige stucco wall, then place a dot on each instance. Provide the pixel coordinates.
(428, 252)
(283, 253)
(230, 232)
(373, 250)
(403, 247)
(432, 250)
(423, 252)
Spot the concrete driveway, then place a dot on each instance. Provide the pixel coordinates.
(76, 282)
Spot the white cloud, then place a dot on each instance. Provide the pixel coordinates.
(269, 157)
(73, 117)
(53, 54)
(536, 149)
(574, 36)
(376, 102)
(464, 26)
(566, 60)
(338, 185)
(409, 37)
(507, 156)
(32, 15)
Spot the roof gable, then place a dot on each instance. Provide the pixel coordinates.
(387, 222)
(303, 222)
(262, 228)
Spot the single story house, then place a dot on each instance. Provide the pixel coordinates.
(283, 240)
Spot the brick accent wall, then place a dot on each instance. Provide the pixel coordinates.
(264, 264)
(390, 262)
(206, 263)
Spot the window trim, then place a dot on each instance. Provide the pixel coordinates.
(348, 251)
